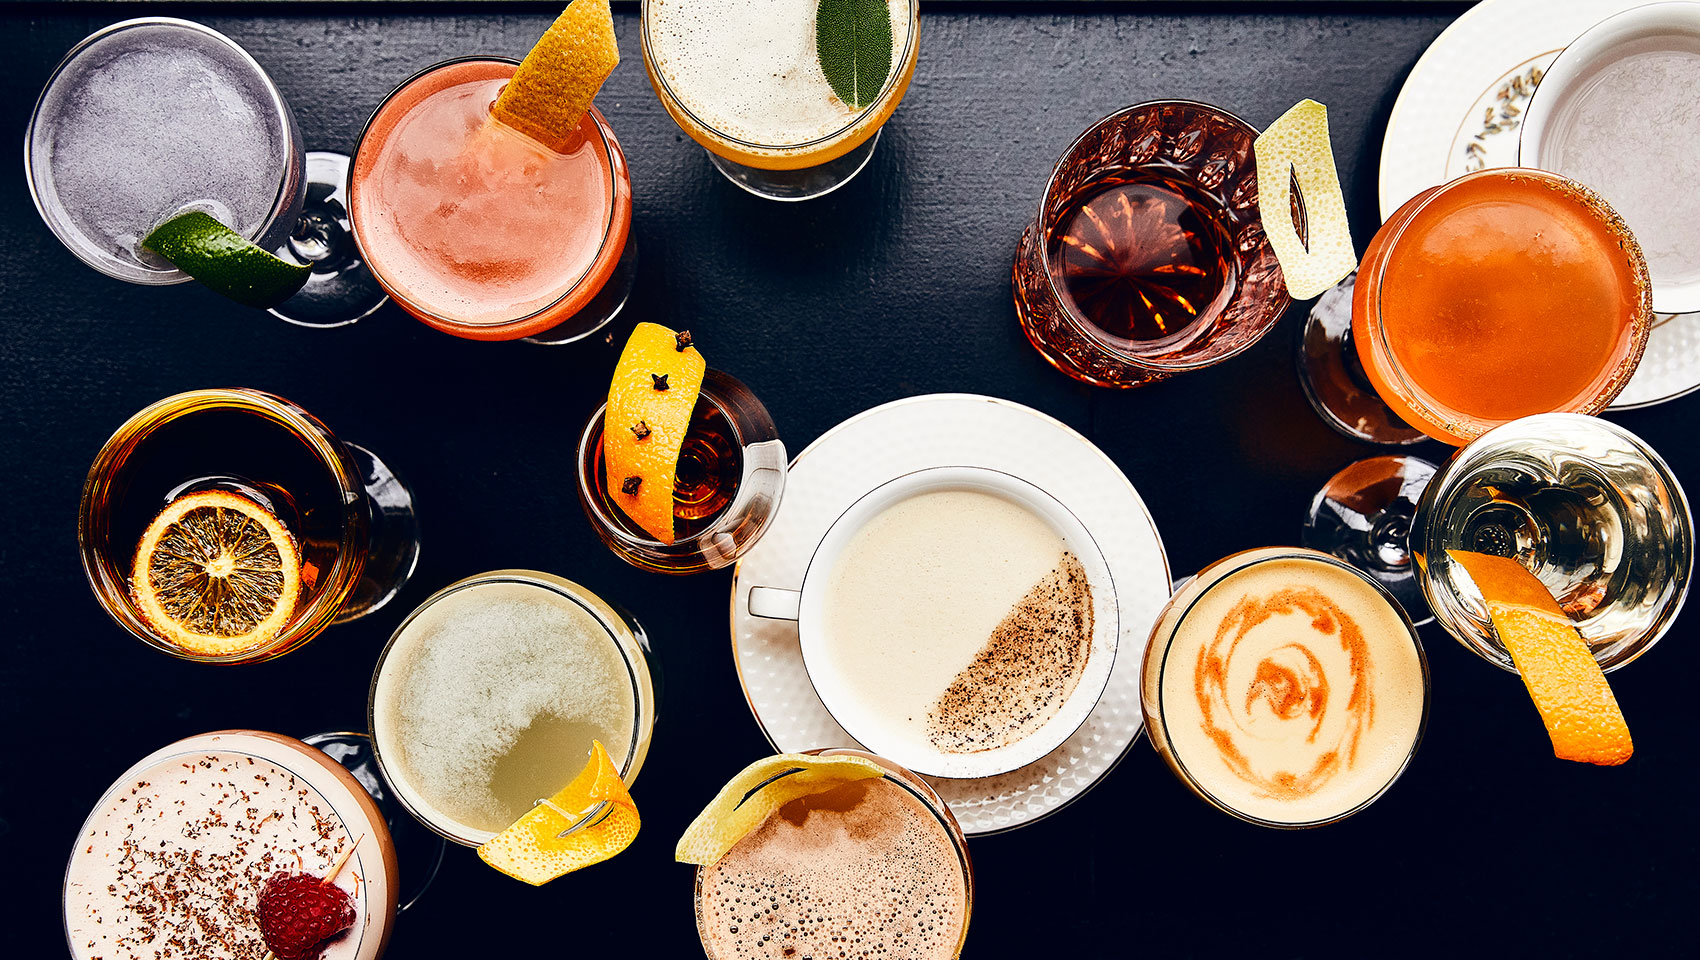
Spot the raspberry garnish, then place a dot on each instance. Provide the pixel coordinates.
(299, 912)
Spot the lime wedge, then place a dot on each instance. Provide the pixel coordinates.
(226, 261)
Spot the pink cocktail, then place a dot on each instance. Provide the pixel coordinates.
(479, 230)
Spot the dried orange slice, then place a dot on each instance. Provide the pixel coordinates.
(555, 84)
(216, 574)
(655, 388)
(756, 792)
(544, 844)
(1569, 689)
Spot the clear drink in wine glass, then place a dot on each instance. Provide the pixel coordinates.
(1584, 504)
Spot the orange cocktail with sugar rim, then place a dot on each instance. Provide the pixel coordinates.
(1501, 294)
(744, 78)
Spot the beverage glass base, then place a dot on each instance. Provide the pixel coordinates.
(1363, 516)
(1334, 379)
(394, 551)
(341, 289)
(602, 309)
(419, 852)
(804, 184)
(1043, 323)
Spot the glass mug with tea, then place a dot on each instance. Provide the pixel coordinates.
(1148, 257)
(957, 620)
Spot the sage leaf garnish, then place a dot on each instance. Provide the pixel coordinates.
(853, 41)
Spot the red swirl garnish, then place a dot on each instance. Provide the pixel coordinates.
(1291, 682)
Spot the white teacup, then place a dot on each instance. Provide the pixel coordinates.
(1607, 114)
(862, 719)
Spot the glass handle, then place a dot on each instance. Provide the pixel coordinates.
(775, 603)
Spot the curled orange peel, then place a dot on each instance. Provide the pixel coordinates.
(1569, 688)
(555, 838)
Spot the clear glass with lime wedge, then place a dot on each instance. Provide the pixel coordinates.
(166, 130)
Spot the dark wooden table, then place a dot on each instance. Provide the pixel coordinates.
(896, 285)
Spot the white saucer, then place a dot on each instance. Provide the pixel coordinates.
(955, 429)
(1460, 110)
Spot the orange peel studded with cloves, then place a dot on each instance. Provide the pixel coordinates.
(655, 388)
(553, 87)
(553, 840)
(1569, 688)
(757, 791)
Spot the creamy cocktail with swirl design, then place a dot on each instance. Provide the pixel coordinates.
(1285, 687)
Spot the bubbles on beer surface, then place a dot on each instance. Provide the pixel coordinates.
(861, 871)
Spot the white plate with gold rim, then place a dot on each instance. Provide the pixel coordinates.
(955, 429)
(1461, 110)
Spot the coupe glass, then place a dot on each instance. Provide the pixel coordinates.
(1587, 506)
(157, 159)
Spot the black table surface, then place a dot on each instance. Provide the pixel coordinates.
(894, 286)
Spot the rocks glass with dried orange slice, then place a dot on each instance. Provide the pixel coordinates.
(231, 526)
(681, 470)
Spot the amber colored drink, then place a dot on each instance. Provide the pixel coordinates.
(1501, 294)
(1143, 259)
(475, 228)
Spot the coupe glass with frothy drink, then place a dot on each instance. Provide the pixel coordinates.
(487, 699)
(1284, 687)
(743, 78)
(149, 118)
(183, 843)
(1148, 256)
(479, 230)
(1586, 506)
(870, 868)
